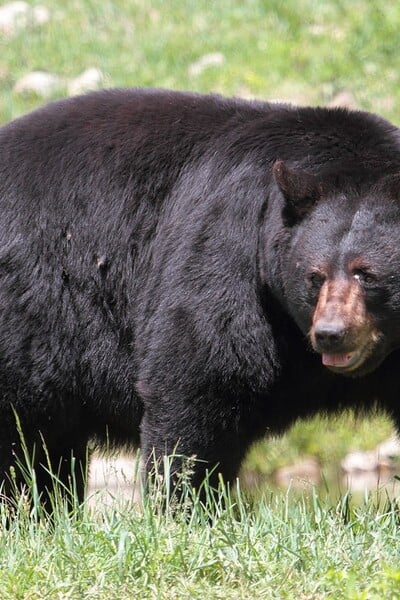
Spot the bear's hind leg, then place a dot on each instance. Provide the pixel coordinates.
(62, 473)
(48, 471)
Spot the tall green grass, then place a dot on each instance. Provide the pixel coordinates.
(283, 546)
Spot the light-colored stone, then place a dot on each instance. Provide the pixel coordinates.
(383, 458)
(40, 15)
(389, 449)
(303, 471)
(321, 30)
(113, 477)
(18, 15)
(41, 83)
(214, 59)
(344, 99)
(13, 16)
(91, 79)
(364, 481)
(384, 103)
(295, 92)
(117, 471)
(360, 461)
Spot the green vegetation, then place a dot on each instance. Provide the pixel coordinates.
(328, 440)
(301, 50)
(284, 546)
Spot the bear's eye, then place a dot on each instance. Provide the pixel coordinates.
(364, 276)
(316, 279)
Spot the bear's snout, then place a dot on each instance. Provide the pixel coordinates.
(342, 330)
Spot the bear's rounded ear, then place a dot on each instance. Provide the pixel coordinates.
(300, 189)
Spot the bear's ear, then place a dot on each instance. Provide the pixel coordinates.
(301, 191)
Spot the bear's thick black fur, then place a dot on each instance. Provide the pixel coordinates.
(187, 272)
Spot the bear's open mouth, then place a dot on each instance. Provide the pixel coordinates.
(347, 361)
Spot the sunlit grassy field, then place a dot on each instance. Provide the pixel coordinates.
(301, 51)
(282, 546)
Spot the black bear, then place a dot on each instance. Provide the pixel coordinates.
(187, 272)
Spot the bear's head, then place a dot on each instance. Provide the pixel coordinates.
(341, 270)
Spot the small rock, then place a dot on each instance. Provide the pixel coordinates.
(214, 59)
(385, 103)
(320, 30)
(40, 83)
(389, 450)
(307, 470)
(116, 471)
(344, 99)
(12, 16)
(361, 481)
(89, 80)
(18, 15)
(360, 461)
(40, 15)
(385, 457)
(116, 477)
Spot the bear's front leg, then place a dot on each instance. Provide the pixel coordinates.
(206, 431)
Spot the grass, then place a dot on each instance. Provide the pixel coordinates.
(301, 50)
(278, 545)
(327, 440)
(285, 546)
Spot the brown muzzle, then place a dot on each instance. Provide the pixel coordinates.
(342, 331)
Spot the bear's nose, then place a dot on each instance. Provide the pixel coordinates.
(329, 336)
